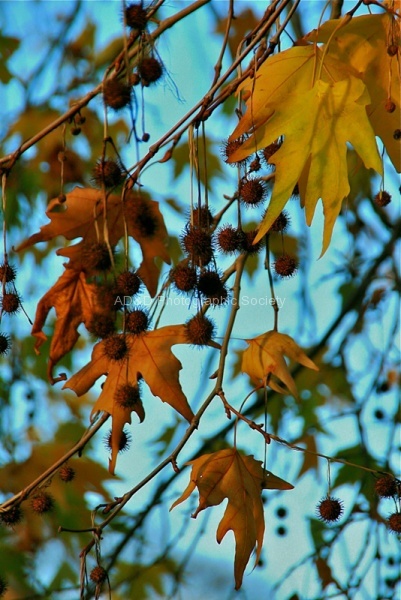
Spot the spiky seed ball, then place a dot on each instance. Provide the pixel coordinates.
(3, 586)
(229, 239)
(198, 244)
(101, 325)
(116, 94)
(382, 198)
(199, 330)
(66, 473)
(247, 242)
(227, 150)
(201, 217)
(42, 502)
(127, 395)
(184, 278)
(123, 444)
(7, 273)
(135, 16)
(330, 509)
(269, 151)
(5, 344)
(285, 266)
(255, 165)
(115, 347)
(150, 70)
(209, 283)
(281, 223)
(136, 321)
(98, 575)
(392, 49)
(389, 106)
(394, 522)
(252, 191)
(12, 516)
(128, 283)
(11, 303)
(96, 257)
(386, 486)
(139, 215)
(108, 173)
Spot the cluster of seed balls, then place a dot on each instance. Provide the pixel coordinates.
(330, 509)
(10, 301)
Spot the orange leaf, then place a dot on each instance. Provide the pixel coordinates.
(240, 479)
(74, 300)
(149, 356)
(82, 215)
(265, 357)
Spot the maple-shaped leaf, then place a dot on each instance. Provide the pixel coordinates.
(83, 215)
(371, 45)
(74, 301)
(148, 356)
(265, 357)
(240, 479)
(314, 150)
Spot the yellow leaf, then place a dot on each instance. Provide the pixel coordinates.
(363, 44)
(265, 357)
(314, 150)
(240, 479)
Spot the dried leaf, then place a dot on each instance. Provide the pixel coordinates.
(265, 357)
(82, 215)
(240, 479)
(314, 151)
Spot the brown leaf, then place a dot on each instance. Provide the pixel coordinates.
(149, 356)
(228, 474)
(83, 215)
(74, 300)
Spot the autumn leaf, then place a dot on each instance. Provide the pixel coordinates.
(83, 215)
(74, 300)
(149, 356)
(240, 479)
(264, 358)
(314, 150)
(363, 43)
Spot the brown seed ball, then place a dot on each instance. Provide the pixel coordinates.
(184, 278)
(12, 516)
(98, 575)
(138, 213)
(7, 273)
(66, 473)
(10, 303)
(389, 106)
(394, 522)
(150, 70)
(3, 586)
(386, 486)
(124, 441)
(199, 330)
(136, 321)
(252, 191)
(96, 257)
(136, 16)
(107, 173)
(285, 266)
(201, 217)
(209, 283)
(281, 223)
(227, 150)
(382, 198)
(392, 49)
(247, 242)
(127, 395)
(115, 347)
(397, 134)
(229, 239)
(255, 165)
(42, 502)
(269, 151)
(198, 244)
(101, 325)
(128, 283)
(116, 94)
(5, 344)
(330, 509)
